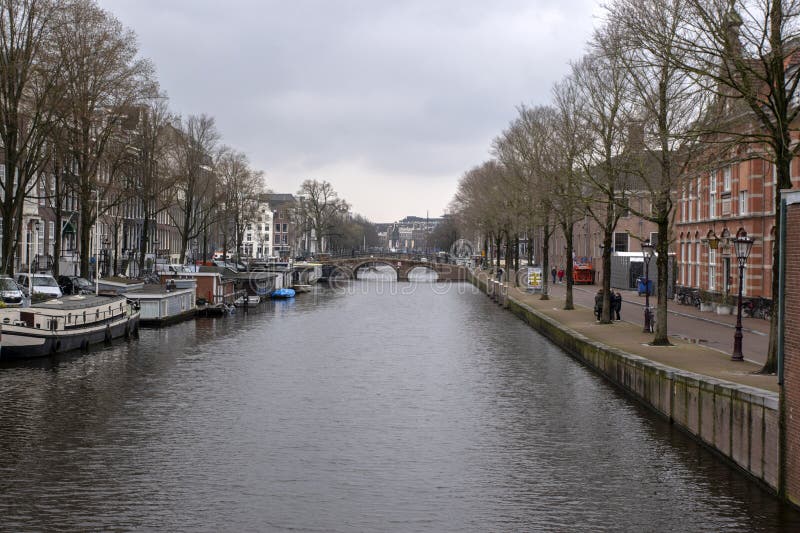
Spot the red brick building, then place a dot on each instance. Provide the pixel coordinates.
(712, 207)
(790, 400)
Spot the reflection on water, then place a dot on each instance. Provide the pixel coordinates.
(374, 405)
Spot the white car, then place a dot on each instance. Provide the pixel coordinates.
(10, 293)
(43, 284)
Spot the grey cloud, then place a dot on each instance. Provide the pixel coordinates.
(404, 89)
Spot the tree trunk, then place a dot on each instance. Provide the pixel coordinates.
(568, 234)
(546, 263)
(85, 232)
(662, 262)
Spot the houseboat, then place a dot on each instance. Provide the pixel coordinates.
(64, 324)
(161, 305)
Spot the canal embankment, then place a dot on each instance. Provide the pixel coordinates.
(722, 403)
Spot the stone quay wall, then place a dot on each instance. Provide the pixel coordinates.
(740, 423)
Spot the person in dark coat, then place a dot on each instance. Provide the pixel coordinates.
(616, 303)
(554, 272)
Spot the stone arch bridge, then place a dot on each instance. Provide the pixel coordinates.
(349, 267)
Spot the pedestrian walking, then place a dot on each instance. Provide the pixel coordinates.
(561, 275)
(554, 272)
(616, 306)
(499, 274)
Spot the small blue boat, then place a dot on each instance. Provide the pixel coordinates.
(282, 293)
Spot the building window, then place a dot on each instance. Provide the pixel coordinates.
(620, 242)
(654, 238)
(285, 228)
(683, 263)
(743, 203)
(712, 196)
(712, 269)
(696, 265)
(689, 264)
(726, 179)
(52, 229)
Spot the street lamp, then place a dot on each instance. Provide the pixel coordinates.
(647, 255)
(106, 254)
(742, 245)
(31, 243)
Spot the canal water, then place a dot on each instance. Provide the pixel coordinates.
(369, 406)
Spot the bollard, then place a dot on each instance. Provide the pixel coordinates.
(504, 293)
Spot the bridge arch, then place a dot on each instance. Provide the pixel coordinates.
(349, 267)
(361, 265)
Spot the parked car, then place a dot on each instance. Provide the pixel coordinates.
(75, 285)
(10, 293)
(43, 285)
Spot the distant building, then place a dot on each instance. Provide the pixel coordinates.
(409, 234)
(271, 234)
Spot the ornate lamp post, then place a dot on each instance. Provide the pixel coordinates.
(742, 245)
(647, 255)
(106, 255)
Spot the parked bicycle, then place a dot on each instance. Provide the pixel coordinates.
(688, 296)
(757, 308)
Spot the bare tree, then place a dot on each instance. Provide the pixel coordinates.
(102, 81)
(240, 188)
(321, 207)
(602, 83)
(565, 148)
(29, 73)
(482, 206)
(194, 180)
(521, 150)
(666, 106)
(154, 187)
(745, 53)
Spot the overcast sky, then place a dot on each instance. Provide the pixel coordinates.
(390, 101)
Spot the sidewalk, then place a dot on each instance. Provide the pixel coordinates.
(702, 341)
(685, 322)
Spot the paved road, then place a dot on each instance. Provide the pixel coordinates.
(687, 322)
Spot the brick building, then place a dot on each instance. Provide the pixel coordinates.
(790, 401)
(712, 207)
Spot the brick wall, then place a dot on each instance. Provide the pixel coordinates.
(792, 354)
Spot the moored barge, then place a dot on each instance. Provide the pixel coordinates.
(64, 324)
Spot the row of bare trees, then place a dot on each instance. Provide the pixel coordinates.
(666, 90)
(82, 117)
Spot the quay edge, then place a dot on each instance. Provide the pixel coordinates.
(737, 422)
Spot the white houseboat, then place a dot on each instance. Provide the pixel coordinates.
(65, 324)
(161, 305)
